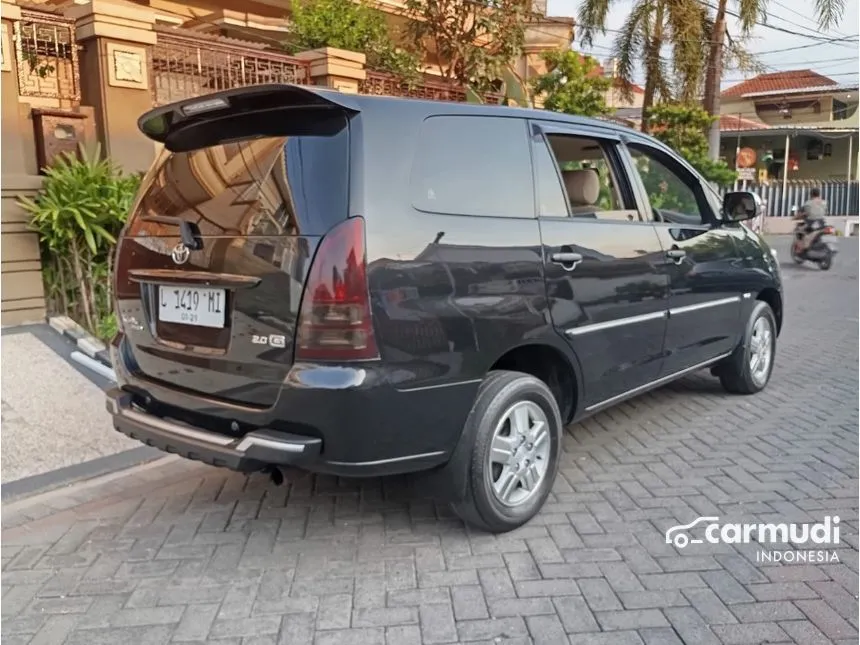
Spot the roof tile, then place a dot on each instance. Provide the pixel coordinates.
(779, 81)
(732, 123)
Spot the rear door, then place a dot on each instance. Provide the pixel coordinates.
(704, 267)
(211, 266)
(607, 292)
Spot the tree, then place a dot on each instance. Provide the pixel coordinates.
(650, 25)
(683, 128)
(573, 84)
(750, 13)
(474, 40)
(355, 26)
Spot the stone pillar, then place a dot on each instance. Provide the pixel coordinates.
(21, 272)
(12, 141)
(115, 75)
(339, 69)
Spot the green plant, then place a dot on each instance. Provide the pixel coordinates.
(353, 26)
(573, 84)
(683, 128)
(80, 210)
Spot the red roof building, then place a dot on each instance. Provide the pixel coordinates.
(778, 82)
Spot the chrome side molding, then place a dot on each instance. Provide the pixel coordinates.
(632, 320)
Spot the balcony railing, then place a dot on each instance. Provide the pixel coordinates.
(186, 66)
(47, 57)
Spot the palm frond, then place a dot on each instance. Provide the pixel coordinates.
(629, 45)
(592, 16)
(829, 12)
(750, 12)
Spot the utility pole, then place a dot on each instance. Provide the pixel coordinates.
(713, 76)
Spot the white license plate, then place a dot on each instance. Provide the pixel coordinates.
(198, 306)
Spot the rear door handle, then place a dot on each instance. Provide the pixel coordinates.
(566, 258)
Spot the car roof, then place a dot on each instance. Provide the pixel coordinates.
(432, 106)
(374, 104)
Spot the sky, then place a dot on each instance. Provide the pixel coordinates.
(839, 61)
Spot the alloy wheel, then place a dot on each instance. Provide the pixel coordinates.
(761, 350)
(519, 453)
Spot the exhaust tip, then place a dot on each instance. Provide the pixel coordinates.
(276, 476)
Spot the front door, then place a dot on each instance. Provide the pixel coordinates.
(607, 292)
(703, 265)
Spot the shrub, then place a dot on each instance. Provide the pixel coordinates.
(573, 84)
(82, 207)
(354, 26)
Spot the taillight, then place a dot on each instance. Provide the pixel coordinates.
(335, 318)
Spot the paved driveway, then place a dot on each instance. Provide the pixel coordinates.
(180, 552)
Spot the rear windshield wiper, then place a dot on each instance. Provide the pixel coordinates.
(189, 232)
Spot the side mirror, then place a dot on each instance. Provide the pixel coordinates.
(742, 205)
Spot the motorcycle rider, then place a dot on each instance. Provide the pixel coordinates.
(812, 213)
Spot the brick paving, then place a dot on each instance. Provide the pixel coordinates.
(177, 552)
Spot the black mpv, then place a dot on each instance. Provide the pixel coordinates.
(366, 286)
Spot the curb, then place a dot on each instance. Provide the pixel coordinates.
(66, 476)
(93, 353)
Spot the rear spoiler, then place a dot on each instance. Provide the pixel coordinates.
(177, 123)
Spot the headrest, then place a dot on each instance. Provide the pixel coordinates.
(583, 186)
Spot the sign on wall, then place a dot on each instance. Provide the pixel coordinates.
(746, 174)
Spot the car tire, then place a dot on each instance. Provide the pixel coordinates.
(740, 373)
(503, 496)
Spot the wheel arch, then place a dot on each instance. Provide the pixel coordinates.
(772, 297)
(551, 365)
(448, 483)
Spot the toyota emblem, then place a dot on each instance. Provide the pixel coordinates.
(180, 253)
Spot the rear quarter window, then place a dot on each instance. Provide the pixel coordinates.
(473, 165)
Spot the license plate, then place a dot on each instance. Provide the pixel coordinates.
(198, 306)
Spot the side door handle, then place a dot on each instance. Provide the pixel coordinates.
(567, 259)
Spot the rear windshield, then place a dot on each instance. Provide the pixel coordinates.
(273, 185)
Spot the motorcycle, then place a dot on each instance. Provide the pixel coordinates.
(822, 246)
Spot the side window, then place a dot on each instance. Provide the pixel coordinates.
(675, 195)
(469, 165)
(552, 201)
(589, 184)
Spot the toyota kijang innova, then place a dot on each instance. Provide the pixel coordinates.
(366, 286)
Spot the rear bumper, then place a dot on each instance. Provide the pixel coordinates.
(345, 420)
(250, 452)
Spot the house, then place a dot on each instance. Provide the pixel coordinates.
(796, 125)
(265, 23)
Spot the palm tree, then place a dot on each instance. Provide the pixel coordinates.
(749, 13)
(651, 24)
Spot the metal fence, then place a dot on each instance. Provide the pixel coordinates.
(383, 84)
(186, 66)
(842, 197)
(47, 57)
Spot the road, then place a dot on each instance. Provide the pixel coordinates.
(177, 552)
